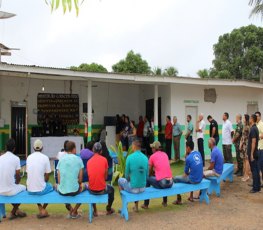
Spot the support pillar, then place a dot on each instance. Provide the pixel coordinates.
(89, 109)
(156, 113)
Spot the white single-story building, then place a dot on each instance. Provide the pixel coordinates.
(108, 94)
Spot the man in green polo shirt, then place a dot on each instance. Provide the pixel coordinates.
(136, 172)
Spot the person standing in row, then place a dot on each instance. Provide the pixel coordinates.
(146, 136)
(213, 131)
(200, 130)
(252, 149)
(177, 133)
(190, 128)
(227, 133)
(260, 143)
(140, 128)
(236, 142)
(168, 136)
(243, 147)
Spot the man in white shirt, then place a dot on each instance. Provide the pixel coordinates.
(63, 152)
(38, 169)
(10, 177)
(200, 130)
(227, 134)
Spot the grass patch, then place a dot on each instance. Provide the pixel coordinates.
(155, 204)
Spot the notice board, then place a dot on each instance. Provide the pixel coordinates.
(65, 107)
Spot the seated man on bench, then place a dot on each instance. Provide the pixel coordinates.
(160, 172)
(97, 168)
(38, 169)
(217, 160)
(10, 167)
(136, 172)
(193, 171)
(70, 176)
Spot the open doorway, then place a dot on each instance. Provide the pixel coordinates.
(150, 111)
(18, 128)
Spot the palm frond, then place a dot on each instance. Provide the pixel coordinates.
(257, 8)
(65, 4)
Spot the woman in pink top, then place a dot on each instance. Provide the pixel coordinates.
(159, 163)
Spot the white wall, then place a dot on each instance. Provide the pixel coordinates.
(229, 99)
(108, 99)
(164, 91)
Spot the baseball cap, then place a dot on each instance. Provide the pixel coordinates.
(155, 145)
(38, 145)
(97, 147)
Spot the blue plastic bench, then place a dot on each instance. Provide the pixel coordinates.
(150, 193)
(227, 173)
(53, 198)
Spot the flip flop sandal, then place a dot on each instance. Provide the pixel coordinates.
(21, 214)
(135, 210)
(39, 216)
(75, 217)
(95, 214)
(164, 204)
(110, 212)
(177, 202)
(191, 200)
(144, 207)
(13, 217)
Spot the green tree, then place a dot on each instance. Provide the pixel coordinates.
(93, 67)
(257, 7)
(203, 73)
(239, 54)
(157, 71)
(170, 71)
(133, 63)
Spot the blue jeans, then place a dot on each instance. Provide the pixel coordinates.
(181, 179)
(108, 190)
(126, 186)
(47, 189)
(161, 184)
(255, 175)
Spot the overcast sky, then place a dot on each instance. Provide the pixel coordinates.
(178, 33)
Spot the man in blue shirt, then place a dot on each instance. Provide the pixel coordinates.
(70, 177)
(193, 171)
(217, 160)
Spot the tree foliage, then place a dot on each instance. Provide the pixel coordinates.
(257, 7)
(65, 4)
(239, 54)
(93, 67)
(157, 71)
(203, 73)
(170, 71)
(133, 63)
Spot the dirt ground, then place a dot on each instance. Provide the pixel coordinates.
(235, 209)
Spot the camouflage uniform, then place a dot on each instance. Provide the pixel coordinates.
(239, 129)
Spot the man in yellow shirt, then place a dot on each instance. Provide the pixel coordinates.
(260, 143)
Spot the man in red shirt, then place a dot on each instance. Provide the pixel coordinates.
(140, 127)
(168, 136)
(97, 168)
